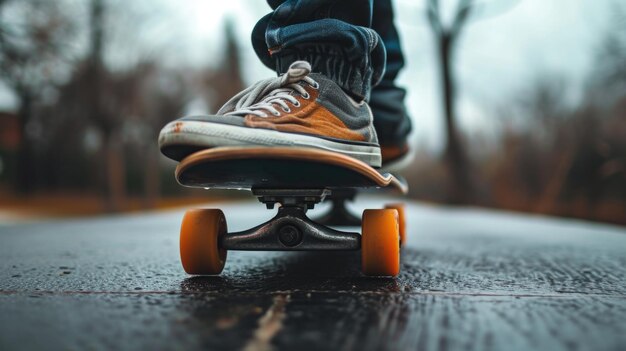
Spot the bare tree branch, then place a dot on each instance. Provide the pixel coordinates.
(434, 16)
(460, 189)
(463, 11)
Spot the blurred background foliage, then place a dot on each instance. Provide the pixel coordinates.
(92, 94)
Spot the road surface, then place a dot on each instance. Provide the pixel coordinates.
(471, 280)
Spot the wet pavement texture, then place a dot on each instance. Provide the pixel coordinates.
(471, 279)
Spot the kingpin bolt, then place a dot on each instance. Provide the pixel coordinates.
(289, 235)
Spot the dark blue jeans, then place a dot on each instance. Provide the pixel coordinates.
(353, 42)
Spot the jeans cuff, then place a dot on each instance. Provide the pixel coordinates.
(354, 78)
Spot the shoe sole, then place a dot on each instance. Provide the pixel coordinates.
(202, 135)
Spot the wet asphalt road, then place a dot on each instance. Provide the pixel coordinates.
(471, 280)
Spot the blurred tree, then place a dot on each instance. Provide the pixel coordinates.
(34, 44)
(613, 54)
(162, 95)
(555, 155)
(130, 102)
(226, 80)
(609, 66)
(446, 37)
(125, 97)
(570, 159)
(104, 110)
(547, 152)
(95, 98)
(598, 170)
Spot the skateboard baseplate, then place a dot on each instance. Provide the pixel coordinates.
(297, 179)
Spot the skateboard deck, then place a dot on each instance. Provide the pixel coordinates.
(280, 168)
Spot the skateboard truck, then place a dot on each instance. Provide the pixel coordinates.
(291, 229)
(337, 215)
(306, 198)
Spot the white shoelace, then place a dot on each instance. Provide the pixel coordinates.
(264, 96)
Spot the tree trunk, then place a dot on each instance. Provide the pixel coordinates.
(114, 175)
(151, 177)
(460, 191)
(25, 173)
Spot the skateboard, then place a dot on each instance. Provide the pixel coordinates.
(296, 179)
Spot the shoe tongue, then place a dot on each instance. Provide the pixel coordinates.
(296, 72)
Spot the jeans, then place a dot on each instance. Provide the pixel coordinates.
(353, 42)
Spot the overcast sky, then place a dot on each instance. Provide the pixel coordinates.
(506, 45)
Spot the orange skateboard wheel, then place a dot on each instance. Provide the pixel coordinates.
(380, 243)
(199, 241)
(401, 220)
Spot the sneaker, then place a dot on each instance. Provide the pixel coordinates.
(298, 109)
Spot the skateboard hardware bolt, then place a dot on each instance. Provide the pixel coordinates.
(289, 235)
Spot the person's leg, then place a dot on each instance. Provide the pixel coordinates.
(391, 119)
(335, 36)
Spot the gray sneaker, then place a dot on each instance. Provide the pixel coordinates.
(299, 109)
